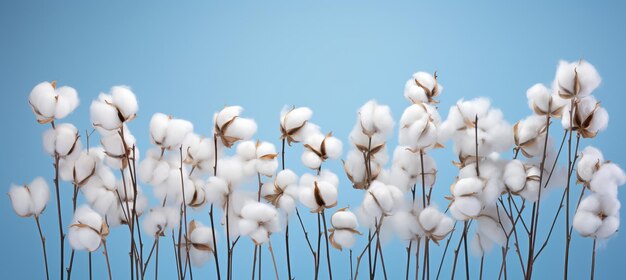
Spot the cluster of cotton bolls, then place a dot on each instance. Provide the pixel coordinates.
(369, 136)
(240, 175)
(597, 215)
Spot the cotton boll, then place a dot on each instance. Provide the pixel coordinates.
(343, 239)
(21, 201)
(422, 87)
(125, 101)
(597, 216)
(246, 150)
(465, 208)
(588, 117)
(104, 114)
(39, 194)
(435, 224)
(61, 140)
(177, 130)
(155, 222)
(514, 176)
(542, 102)
(266, 162)
(258, 221)
(382, 199)
(158, 128)
(419, 126)
(344, 219)
(153, 169)
(333, 147)
(227, 114)
(398, 177)
(354, 167)
(607, 179)
(200, 242)
(199, 152)
(318, 193)
(294, 123)
(88, 229)
(67, 101)
(283, 192)
(375, 119)
(589, 162)
(311, 160)
(216, 190)
(529, 135)
(576, 79)
(480, 245)
(42, 100)
(231, 170)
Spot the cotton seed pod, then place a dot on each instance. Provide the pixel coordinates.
(435, 225)
(283, 192)
(588, 118)
(50, 103)
(419, 127)
(320, 148)
(200, 242)
(319, 192)
(529, 135)
(30, 199)
(589, 162)
(294, 124)
(62, 141)
(230, 127)
(344, 224)
(88, 229)
(543, 102)
(465, 200)
(576, 79)
(199, 152)
(373, 119)
(422, 87)
(167, 132)
(110, 111)
(158, 220)
(355, 168)
(258, 221)
(381, 200)
(597, 216)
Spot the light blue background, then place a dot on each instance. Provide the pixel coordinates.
(191, 59)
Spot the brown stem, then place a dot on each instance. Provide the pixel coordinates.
(282, 155)
(567, 187)
(269, 244)
(408, 258)
(43, 246)
(256, 248)
(593, 259)
(90, 274)
(369, 243)
(61, 234)
(382, 258)
(319, 243)
(182, 190)
(445, 250)
(106, 256)
(330, 272)
(215, 254)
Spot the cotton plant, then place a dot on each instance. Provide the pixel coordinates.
(492, 196)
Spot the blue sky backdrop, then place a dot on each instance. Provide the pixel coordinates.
(190, 59)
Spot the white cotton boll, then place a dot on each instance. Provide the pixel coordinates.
(228, 113)
(465, 208)
(600, 120)
(375, 119)
(344, 219)
(42, 100)
(386, 198)
(201, 247)
(529, 135)
(480, 245)
(429, 218)
(104, 114)
(422, 87)
(158, 128)
(294, 117)
(216, 190)
(125, 101)
(175, 189)
(286, 177)
(154, 223)
(311, 160)
(86, 231)
(39, 194)
(61, 140)
(267, 167)
(467, 186)
(232, 170)
(242, 128)
(568, 72)
(514, 176)
(419, 126)
(586, 223)
(491, 223)
(597, 216)
(333, 147)
(607, 179)
(258, 221)
(403, 222)
(328, 176)
(21, 201)
(398, 177)
(609, 226)
(543, 102)
(67, 101)
(246, 150)
(177, 130)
